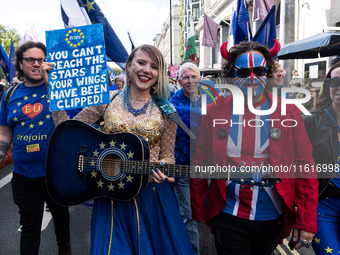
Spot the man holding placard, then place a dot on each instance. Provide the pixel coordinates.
(27, 121)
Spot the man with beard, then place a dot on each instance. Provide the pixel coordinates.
(27, 121)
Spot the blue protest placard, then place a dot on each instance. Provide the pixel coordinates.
(79, 78)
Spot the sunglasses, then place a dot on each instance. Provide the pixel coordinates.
(257, 70)
(333, 82)
(31, 61)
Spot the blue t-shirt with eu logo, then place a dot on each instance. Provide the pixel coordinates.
(28, 115)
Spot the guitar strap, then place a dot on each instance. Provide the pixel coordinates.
(173, 115)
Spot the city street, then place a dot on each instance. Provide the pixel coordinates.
(80, 228)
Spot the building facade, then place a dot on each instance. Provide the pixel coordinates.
(162, 40)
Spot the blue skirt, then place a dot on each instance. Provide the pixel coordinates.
(148, 224)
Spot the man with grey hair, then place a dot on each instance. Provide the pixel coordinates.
(187, 102)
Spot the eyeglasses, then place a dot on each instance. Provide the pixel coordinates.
(333, 82)
(257, 70)
(31, 61)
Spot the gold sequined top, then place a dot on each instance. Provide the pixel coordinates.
(153, 126)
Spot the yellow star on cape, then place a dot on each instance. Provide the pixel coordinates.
(74, 30)
(112, 143)
(25, 97)
(122, 146)
(93, 174)
(121, 185)
(89, 6)
(41, 123)
(31, 125)
(23, 123)
(34, 95)
(14, 111)
(15, 118)
(130, 155)
(102, 145)
(100, 183)
(48, 116)
(19, 103)
(93, 163)
(328, 250)
(95, 153)
(129, 178)
(110, 186)
(317, 240)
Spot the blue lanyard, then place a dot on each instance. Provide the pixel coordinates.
(336, 123)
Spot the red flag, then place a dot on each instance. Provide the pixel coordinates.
(261, 9)
(209, 32)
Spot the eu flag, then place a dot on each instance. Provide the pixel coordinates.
(12, 71)
(242, 26)
(4, 62)
(85, 12)
(267, 31)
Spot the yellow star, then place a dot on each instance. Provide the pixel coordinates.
(95, 153)
(93, 174)
(48, 116)
(74, 30)
(25, 97)
(70, 32)
(102, 145)
(18, 104)
(316, 240)
(103, 14)
(121, 185)
(110, 186)
(31, 125)
(112, 143)
(122, 146)
(100, 184)
(129, 178)
(34, 95)
(328, 250)
(23, 123)
(78, 30)
(130, 155)
(14, 111)
(15, 119)
(93, 163)
(48, 100)
(89, 6)
(41, 123)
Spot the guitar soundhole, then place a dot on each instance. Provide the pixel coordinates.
(111, 165)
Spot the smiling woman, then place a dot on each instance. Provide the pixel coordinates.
(150, 223)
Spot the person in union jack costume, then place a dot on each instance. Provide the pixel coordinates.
(245, 218)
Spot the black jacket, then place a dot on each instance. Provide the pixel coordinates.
(322, 133)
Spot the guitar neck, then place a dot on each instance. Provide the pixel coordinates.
(171, 170)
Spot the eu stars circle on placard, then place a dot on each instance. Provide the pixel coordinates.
(74, 37)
